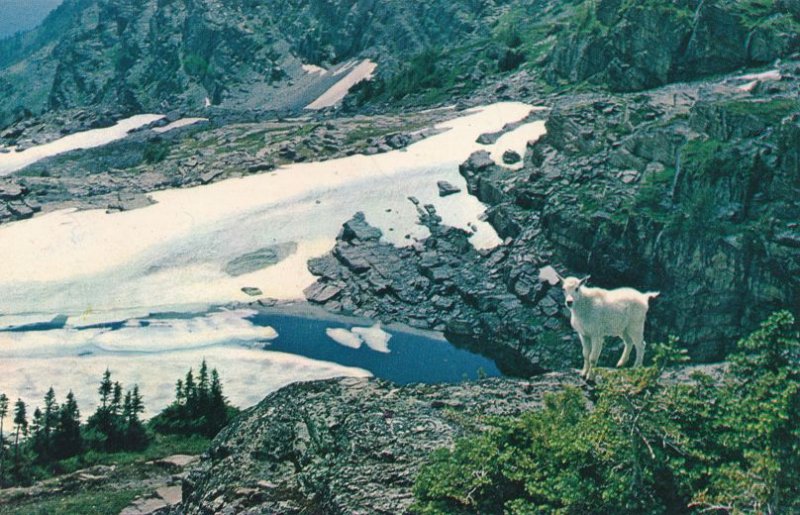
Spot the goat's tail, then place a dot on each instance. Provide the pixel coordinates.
(652, 294)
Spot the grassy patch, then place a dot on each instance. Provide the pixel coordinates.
(103, 502)
(771, 111)
(699, 154)
(160, 447)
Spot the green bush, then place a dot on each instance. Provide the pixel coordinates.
(647, 445)
(156, 151)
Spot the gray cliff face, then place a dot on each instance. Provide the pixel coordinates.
(633, 46)
(345, 445)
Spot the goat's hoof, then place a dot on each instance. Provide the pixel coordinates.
(620, 364)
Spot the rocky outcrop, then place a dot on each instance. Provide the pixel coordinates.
(633, 46)
(345, 445)
(443, 283)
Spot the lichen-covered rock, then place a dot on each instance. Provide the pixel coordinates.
(345, 446)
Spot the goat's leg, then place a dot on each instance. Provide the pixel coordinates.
(637, 335)
(586, 344)
(626, 353)
(597, 348)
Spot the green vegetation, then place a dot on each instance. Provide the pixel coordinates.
(156, 151)
(55, 442)
(423, 72)
(195, 65)
(770, 111)
(200, 408)
(102, 502)
(755, 13)
(647, 444)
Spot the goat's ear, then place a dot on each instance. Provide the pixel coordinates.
(584, 280)
(560, 279)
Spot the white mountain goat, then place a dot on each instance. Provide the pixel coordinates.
(597, 313)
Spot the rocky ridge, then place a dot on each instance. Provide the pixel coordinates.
(154, 55)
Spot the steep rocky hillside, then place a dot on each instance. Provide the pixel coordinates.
(634, 45)
(690, 189)
(138, 55)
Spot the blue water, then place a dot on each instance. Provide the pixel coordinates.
(413, 357)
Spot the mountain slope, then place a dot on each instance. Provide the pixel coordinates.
(147, 54)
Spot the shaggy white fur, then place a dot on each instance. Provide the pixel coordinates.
(597, 313)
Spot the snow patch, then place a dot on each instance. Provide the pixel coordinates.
(138, 335)
(338, 91)
(13, 160)
(767, 75)
(177, 124)
(172, 255)
(313, 68)
(248, 375)
(516, 140)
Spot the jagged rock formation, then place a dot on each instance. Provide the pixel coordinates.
(442, 283)
(345, 445)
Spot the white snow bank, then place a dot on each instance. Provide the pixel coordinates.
(177, 124)
(516, 140)
(767, 75)
(138, 335)
(13, 161)
(338, 91)
(173, 253)
(313, 68)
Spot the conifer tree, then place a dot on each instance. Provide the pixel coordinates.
(134, 434)
(190, 389)
(3, 415)
(202, 385)
(21, 428)
(67, 440)
(105, 389)
(38, 442)
(218, 405)
(116, 399)
(47, 424)
(180, 397)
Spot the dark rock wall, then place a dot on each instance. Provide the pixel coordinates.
(632, 46)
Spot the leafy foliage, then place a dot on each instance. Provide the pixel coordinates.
(648, 445)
